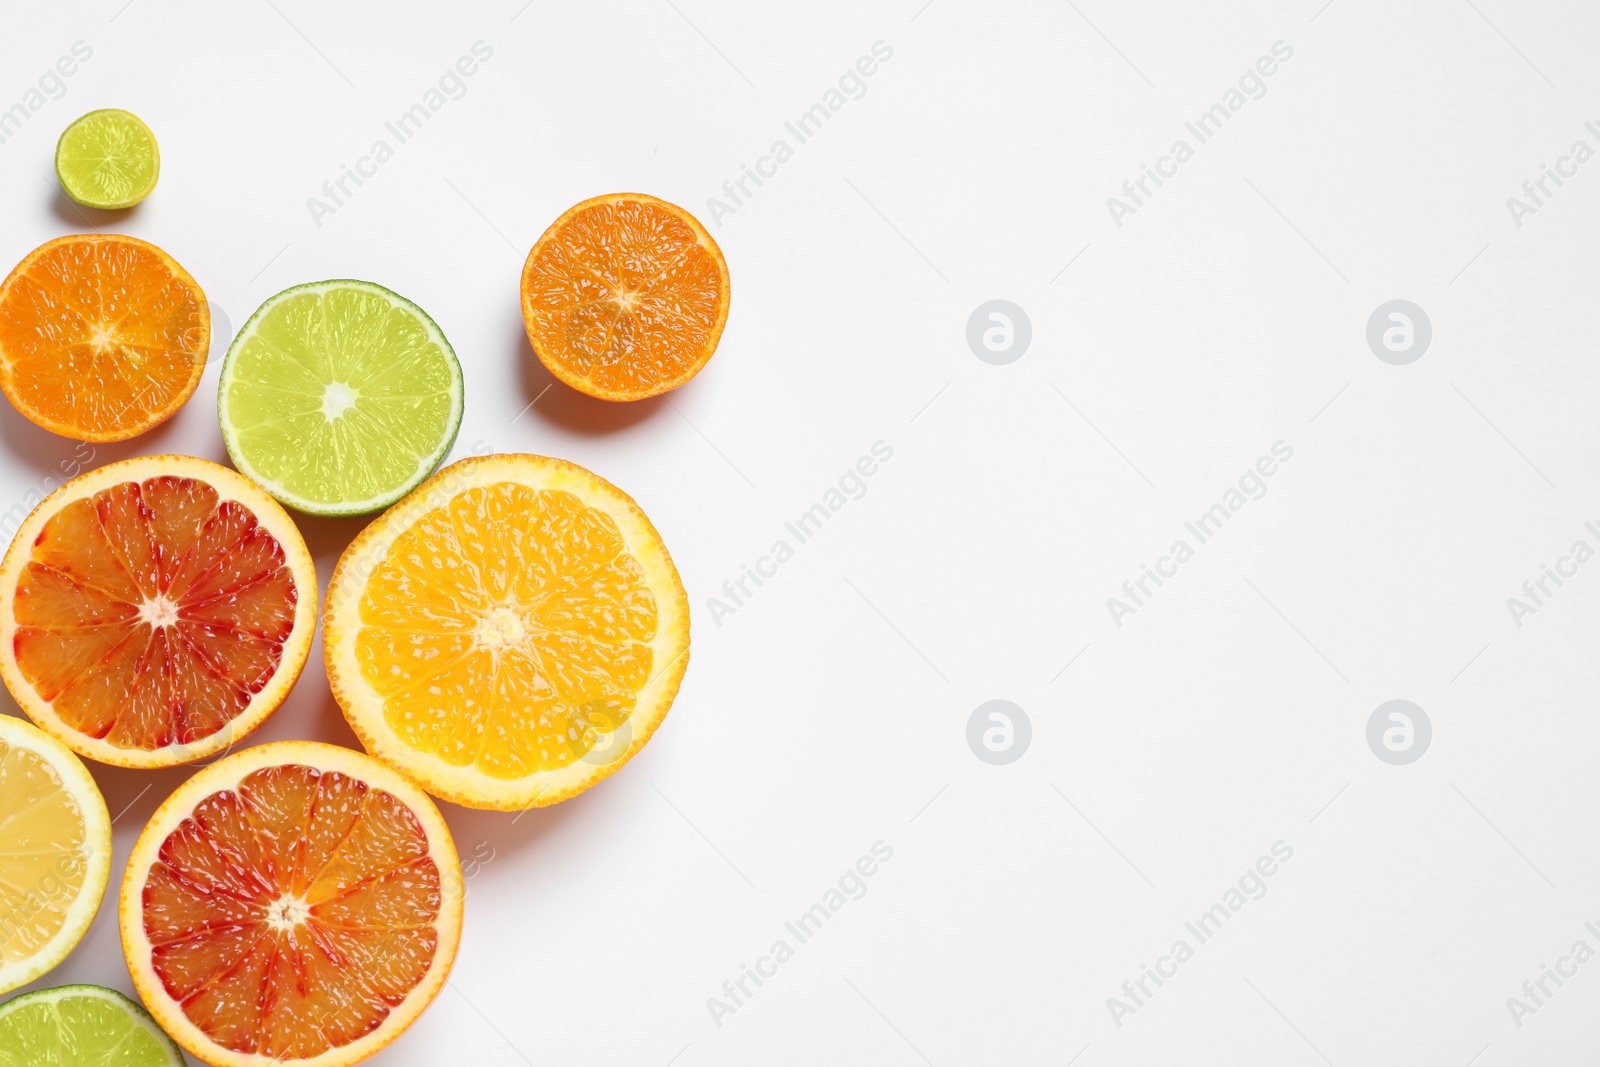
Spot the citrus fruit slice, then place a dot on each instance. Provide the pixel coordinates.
(509, 634)
(625, 296)
(101, 336)
(339, 397)
(55, 852)
(108, 159)
(154, 611)
(82, 1026)
(294, 903)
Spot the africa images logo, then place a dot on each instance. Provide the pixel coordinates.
(851, 85)
(851, 485)
(1251, 485)
(51, 85)
(451, 85)
(1251, 85)
(1250, 886)
(851, 885)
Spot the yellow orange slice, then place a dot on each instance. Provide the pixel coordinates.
(509, 634)
(625, 296)
(55, 852)
(154, 611)
(294, 903)
(101, 336)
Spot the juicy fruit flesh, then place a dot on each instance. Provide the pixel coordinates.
(340, 396)
(107, 158)
(43, 857)
(88, 1028)
(496, 625)
(99, 333)
(624, 296)
(290, 915)
(152, 612)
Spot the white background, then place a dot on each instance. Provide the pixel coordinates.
(829, 712)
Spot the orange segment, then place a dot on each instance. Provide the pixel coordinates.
(295, 902)
(155, 610)
(625, 296)
(101, 336)
(509, 634)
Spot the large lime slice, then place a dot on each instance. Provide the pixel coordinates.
(108, 159)
(339, 397)
(81, 1026)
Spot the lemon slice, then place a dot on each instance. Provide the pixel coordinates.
(108, 159)
(55, 851)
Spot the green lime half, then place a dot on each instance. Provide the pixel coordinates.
(339, 397)
(108, 159)
(81, 1026)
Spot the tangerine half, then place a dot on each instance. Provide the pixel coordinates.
(101, 336)
(625, 296)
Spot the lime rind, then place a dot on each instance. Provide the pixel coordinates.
(108, 159)
(273, 370)
(82, 1026)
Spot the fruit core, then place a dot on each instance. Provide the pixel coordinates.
(337, 399)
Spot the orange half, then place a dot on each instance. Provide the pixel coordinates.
(625, 296)
(293, 904)
(509, 634)
(154, 611)
(101, 336)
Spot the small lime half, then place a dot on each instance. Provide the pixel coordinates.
(108, 159)
(339, 397)
(81, 1026)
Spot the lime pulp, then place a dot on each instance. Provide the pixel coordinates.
(108, 159)
(81, 1026)
(339, 397)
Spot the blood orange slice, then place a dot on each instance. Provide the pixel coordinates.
(155, 610)
(294, 903)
